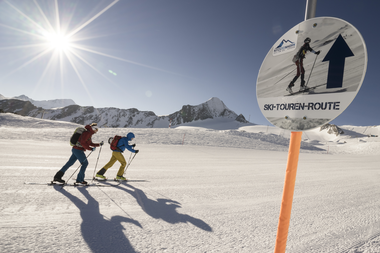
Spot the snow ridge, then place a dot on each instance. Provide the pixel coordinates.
(114, 117)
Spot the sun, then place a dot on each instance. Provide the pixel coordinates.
(54, 35)
(58, 41)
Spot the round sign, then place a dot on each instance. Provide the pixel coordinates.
(311, 74)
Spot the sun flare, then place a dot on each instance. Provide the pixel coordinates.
(54, 37)
(58, 41)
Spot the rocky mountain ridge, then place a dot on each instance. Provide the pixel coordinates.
(115, 117)
(332, 129)
(46, 104)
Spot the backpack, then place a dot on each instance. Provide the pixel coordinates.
(75, 137)
(113, 142)
(295, 58)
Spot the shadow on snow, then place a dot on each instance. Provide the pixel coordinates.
(107, 235)
(100, 234)
(164, 209)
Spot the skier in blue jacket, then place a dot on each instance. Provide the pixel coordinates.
(117, 155)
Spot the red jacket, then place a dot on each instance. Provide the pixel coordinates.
(85, 139)
(303, 50)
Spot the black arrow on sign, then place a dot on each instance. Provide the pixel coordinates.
(337, 57)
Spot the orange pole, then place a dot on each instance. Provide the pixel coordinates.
(287, 195)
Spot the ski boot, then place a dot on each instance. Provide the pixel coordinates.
(81, 183)
(291, 84)
(121, 178)
(289, 89)
(58, 177)
(99, 175)
(303, 86)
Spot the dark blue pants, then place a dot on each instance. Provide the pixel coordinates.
(81, 157)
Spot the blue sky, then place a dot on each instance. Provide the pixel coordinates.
(157, 55)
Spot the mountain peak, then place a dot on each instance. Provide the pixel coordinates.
(23, 97)
(214, 99)
(214, 108)
(46, 104)
(216, 105)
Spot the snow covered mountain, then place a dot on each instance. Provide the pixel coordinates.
(214, 108)
(46, 104)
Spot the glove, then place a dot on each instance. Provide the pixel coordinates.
(93, 149)
(136, 151)
(133, 145)
(317, 53)
(101, 143)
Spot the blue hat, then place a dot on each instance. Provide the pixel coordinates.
(130, 136)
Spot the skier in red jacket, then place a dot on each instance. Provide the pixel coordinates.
(84, 143)
(298, 60)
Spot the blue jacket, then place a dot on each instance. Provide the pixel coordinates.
(123, 143)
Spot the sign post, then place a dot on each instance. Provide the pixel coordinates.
(287, 195)
(308, 78)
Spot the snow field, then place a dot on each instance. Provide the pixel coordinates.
(186, 199)
(219, 191)
(168, 179)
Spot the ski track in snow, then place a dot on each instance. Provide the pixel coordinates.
(192, 189)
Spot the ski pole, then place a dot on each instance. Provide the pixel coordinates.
(129, 159)
(311, 71)
(76, 170)
(284, 77)
(93, 176)
(129, 162)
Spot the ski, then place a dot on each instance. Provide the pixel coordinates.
(74, 184)
(117, 180)
(81, 185)
(101, 183)
(104, 180)
(306, 89)
(50, 183)
(94, 184)
(300, 91)
(109, 180)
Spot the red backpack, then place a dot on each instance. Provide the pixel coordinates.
(113, 142)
